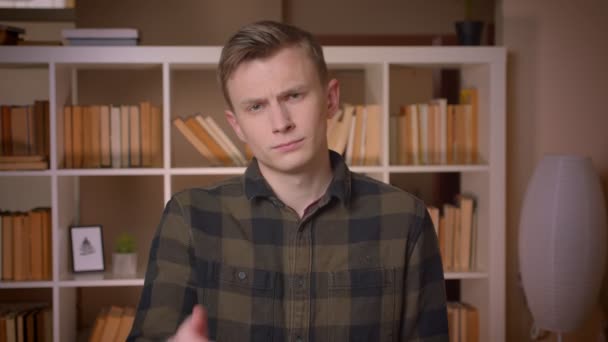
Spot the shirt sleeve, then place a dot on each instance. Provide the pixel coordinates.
(425, 314)
(169, 293)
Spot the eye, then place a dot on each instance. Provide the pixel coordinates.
(255, 107)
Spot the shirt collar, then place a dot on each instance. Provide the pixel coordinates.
(340, 187)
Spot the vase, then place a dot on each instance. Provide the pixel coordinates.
(469, 32)
(124, 264)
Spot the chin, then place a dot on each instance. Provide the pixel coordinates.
(290, 163)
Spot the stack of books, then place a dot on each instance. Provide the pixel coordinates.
(116, 136)
(9, 35)
(26, 322)
(463, 322)
(436, 132)
(25, 243)
(211, 141)
(456, 230)
(24, 136)
(355, 132)
(113, 324)
(101, 36)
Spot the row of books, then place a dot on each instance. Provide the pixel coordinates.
(24, 132)
(463, 322)
(112, 136)
(26, 245)
(211, 141)
(355, 132)
(456, 228)
(436, 132)
(112, 324)
(26, 322)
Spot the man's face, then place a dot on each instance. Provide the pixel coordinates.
(281, 110)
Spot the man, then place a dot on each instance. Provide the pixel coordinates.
(298, 248)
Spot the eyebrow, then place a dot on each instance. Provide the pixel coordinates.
(295, 89)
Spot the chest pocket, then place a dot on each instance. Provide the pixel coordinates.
(240, 303)
(362, 305)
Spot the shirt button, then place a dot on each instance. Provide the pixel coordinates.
(242, 275)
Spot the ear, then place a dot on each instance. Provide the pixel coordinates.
(234, 123)
(333, 97)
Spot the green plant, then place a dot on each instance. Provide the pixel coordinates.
(125, 243)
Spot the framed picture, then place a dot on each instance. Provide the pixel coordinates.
(87, 248)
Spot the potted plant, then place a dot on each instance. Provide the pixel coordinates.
(124, 258)
(469, 30)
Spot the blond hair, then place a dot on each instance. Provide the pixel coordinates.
(263, 39)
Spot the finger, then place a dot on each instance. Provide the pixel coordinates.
(199, 320)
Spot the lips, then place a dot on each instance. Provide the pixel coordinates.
(288, 144)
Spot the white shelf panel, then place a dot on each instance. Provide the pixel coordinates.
(25, 284)
(198, 55)
(466, 275)
(111, 172)
(367, 169)
(25, 173)
(100, 280)
(438, 168)
(193, 171)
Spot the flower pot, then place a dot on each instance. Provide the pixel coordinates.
(124, 264)
(469, 32)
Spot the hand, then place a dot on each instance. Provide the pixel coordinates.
(193, 328)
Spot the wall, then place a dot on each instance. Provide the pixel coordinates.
(557, 84)
(184, 22)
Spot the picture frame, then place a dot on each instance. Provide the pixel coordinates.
(87, 250)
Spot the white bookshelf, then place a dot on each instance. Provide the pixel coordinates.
(54, 72)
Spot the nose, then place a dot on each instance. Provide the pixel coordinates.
(280, 119)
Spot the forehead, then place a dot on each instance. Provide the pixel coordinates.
(285, 63)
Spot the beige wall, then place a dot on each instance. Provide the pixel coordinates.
(382, 16)
(209, 22)
(182, 22)
(558, 83)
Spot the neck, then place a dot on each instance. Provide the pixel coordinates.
(299, 190)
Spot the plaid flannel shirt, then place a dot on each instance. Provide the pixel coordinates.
(363, 264)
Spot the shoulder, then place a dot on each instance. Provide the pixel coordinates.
(392, 199)
(210, 196)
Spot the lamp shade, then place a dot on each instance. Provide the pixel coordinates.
(562, 242)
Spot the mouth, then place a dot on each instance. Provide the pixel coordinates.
(288, 145)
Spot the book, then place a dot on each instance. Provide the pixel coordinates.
(357, 136)
(156, 136)
(126, 323)
(20, 166)
(342, 130)
(145, 109)
(78, 140)
(134, 136)
(105, 129)
(200, 129)
(36, 241)
(95, 148)
(193, 140)
(235, 154)
(372, 143)
(98, 326)
(124, 136)
(115, 137)
(7, 247)
(7, 140)
(100, 33)
(112, 323)
(19, 130)
(67, 138)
